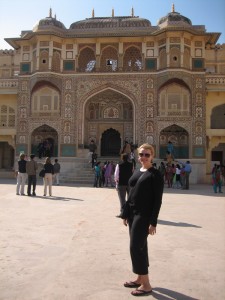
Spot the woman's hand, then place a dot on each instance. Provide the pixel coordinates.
(152, 230)
(125, 222)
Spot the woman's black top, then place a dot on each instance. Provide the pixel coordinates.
(145, 196)
(49, 168)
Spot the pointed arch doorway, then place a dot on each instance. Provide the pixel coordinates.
(110, 142)
(108, 121)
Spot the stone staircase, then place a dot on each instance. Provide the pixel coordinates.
(82, 172)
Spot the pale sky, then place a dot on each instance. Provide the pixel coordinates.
(19, 15)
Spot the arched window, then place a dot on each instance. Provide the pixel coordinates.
(109, 60)
(86, 60)
(45, 101)
(218, 117)
(132, 60)
(174, 100)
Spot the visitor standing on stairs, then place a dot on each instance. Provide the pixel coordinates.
(92, 149)
(109, 170)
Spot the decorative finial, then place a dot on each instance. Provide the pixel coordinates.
(93, 13)
(50, 13)
(55, 16)
(132, 11)
(173, 8)
(112, 12)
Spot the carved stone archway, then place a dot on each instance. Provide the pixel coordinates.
(108, 109)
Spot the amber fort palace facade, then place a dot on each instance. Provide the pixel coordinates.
(113, 79)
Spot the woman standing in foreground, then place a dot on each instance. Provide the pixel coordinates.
(49, 171)
(141, 213)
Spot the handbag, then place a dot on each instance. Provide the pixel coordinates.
(42, 173)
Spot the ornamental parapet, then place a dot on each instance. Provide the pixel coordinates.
(215, 79)
(8, 83)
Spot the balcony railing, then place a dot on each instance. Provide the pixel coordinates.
(8, 83)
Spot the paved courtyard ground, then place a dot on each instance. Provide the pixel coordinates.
(72, 247)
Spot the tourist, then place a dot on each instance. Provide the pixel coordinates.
(187, 170)
(217, 179)
(92, 148)
(97, 171)
(126, 149)
(123, 172)
(56, 168)
(169, 175)
(21, 175)
(109, 170)
(178, 180)
(141, 214)
(49, 171)
(170, 149)
(31, 169)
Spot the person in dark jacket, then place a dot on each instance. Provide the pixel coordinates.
(57, 168)
(21, 175)
(144, 202)
(31, 169)
(49, 171)
(123, 172)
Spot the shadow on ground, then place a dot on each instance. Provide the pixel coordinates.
(166, 294)
(179, 224)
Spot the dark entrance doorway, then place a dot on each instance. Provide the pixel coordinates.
(46, 139)
(6, 156)
(217, 156)
(110, 143)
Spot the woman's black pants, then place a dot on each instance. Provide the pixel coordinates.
(138, 227)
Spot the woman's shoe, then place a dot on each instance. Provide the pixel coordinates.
(132, 284)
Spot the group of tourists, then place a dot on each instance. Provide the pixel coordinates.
(104, 173)
(176, 175)
(26, 171)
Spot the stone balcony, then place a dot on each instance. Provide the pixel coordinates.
(8, 86)
(215, 82)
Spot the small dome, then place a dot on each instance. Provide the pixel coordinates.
(174, 19)
(47, 22)
(111, 22)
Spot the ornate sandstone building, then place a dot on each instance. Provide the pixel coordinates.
(113, 79)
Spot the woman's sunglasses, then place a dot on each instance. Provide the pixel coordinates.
(144, 154)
